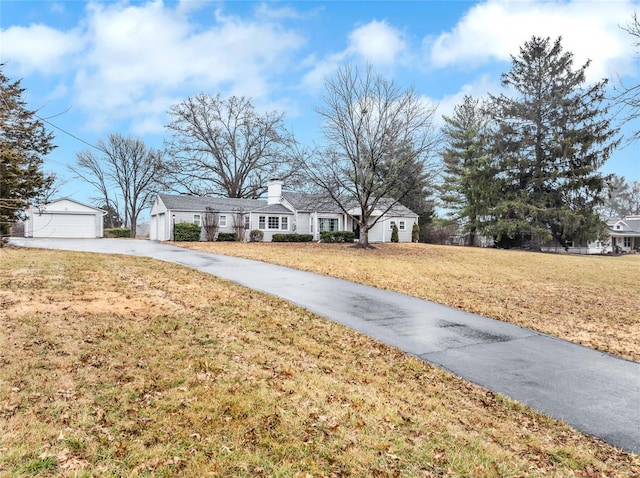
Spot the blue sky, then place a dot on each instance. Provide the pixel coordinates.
(95, 68)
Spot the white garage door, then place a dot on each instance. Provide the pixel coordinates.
(64, 225)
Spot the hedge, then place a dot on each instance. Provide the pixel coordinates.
(256, 235)
(292, 238)
(337, 236)
(187, 232)
(117, 232)
(227, 237)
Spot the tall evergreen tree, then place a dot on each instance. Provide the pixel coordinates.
(24, 142)
(552, 137)
(469, 187)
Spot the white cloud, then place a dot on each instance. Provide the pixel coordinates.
(39, 48)
(377, 42)
(496, 29)
(322, 70)
(135, 52)
(479, 88)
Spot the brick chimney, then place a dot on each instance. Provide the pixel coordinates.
(274, 191)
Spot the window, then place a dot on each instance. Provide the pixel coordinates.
(402, 225)
(327, 224)
(273, 222)
(627, 242)
(247, 221)
(284, 223)
(196, 219)
(391, 224)
(222, 222)
(261, 222)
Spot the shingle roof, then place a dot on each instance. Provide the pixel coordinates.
(274, 208)
(185, 202)
(630, 226)
(299, 201)
(396, 210)
(317, 202)
(311, 202)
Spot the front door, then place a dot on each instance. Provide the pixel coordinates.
(356, 226)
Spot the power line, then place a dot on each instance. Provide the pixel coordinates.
(4, 100)
(69, 134)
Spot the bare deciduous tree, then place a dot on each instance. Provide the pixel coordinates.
(627, 97)
(224, 146)
(623, 198)
(129, 166)
(238, 225)
(380, 143)
(89, 168)
(211, 224)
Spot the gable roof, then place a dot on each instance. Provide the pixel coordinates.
(274, 208)
(397, 209)
(299, 202)
(320, 203)
(184, 202)
(627, 226)
(311, 202)
(59, 200)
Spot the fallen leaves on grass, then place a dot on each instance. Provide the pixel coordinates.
(198, 377)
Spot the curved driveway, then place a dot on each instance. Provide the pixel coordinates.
(592, 391)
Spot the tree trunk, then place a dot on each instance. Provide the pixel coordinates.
(364, 237)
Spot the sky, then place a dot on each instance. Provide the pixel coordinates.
(100, 67)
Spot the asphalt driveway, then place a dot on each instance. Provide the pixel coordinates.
(594, 392)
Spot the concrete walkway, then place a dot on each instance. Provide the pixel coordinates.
(591, 391)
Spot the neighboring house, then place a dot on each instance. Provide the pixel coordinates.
(625, 234)
(62, 218)
(281, 212)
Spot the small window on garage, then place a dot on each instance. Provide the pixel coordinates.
(223, 221)
(197, 220)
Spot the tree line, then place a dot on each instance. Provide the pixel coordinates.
(522, 167)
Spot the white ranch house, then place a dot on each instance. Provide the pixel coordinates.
(281, 212)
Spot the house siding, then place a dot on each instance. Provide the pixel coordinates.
(169, 210)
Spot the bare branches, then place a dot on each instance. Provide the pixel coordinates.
(627, 98)
(224, 146)
(127, 165)
(380, 144)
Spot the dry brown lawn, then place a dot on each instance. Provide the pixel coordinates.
(590, 300)
(122, 366)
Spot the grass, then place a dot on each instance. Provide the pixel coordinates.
(123, 366)
(590, 300)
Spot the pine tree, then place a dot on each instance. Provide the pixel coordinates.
(24, 142)
(552, 137)
(469, 186)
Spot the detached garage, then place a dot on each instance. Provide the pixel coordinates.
(64, 218)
